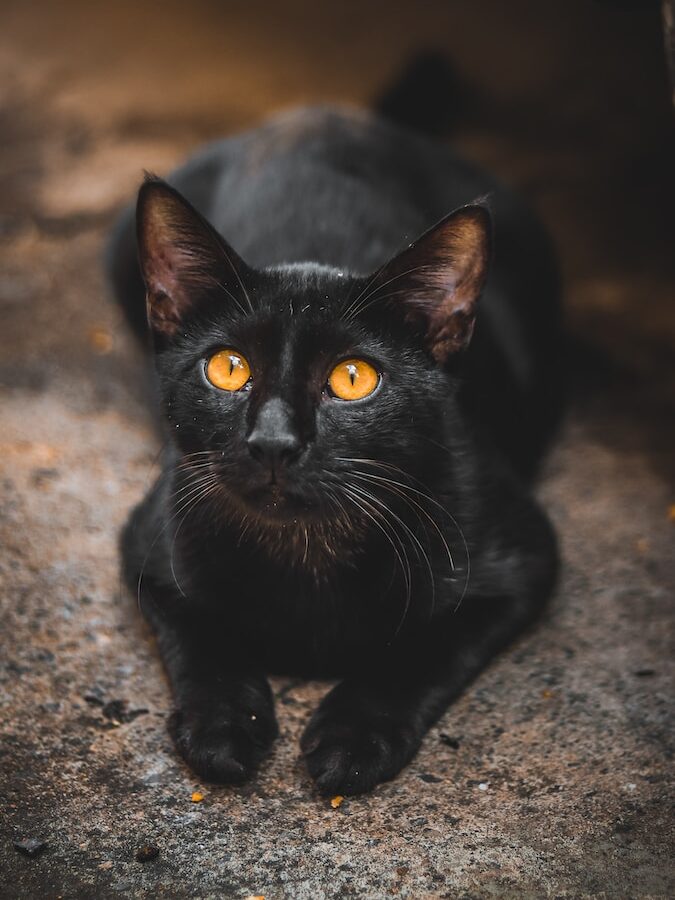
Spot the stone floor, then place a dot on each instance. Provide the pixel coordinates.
(552, 776)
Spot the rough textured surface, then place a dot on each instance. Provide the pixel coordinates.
(550, 777)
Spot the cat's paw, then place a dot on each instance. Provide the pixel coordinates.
(222, 745)
(350, 750)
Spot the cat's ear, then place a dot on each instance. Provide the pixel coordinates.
(181, 257)
(438, 279)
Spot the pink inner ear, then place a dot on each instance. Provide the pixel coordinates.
(161, 256)
(449, 266)
(166, 297)
(181, 256)
(160, 275)
(450, 334)
(165, 262)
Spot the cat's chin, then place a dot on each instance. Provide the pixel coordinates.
(276, 506)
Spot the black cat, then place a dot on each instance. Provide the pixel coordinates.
(343, 492)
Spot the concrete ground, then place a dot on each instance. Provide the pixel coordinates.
(552, 776)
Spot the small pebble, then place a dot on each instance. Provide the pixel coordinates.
(30, 846)
(197, 797)
(118, 712)
(146, 853)
(483, 786)
(101, 340)
(93, 699)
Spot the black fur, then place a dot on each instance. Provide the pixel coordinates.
(396, 546)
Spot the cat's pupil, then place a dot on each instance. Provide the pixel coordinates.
(352, 373)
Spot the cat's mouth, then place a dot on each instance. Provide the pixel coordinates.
(278, 502)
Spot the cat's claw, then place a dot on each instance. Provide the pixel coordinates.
(347, 754)
(222, 748)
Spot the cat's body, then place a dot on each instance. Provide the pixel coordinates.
(394, 544)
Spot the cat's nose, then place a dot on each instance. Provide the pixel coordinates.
(273, 440)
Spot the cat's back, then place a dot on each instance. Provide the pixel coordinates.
(331, 185)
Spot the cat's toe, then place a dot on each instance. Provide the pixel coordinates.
(352, 757)
(219, 749)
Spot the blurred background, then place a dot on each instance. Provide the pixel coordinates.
(570, 102)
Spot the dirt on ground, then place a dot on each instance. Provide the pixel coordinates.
(552, 775)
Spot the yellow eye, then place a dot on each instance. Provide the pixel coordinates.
(353, 379)
(228, 370)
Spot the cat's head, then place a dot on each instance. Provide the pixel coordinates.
(285, 387)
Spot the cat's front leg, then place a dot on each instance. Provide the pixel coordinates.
(372, 724)
(223, 723)
(223, 729)
(360, 735)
